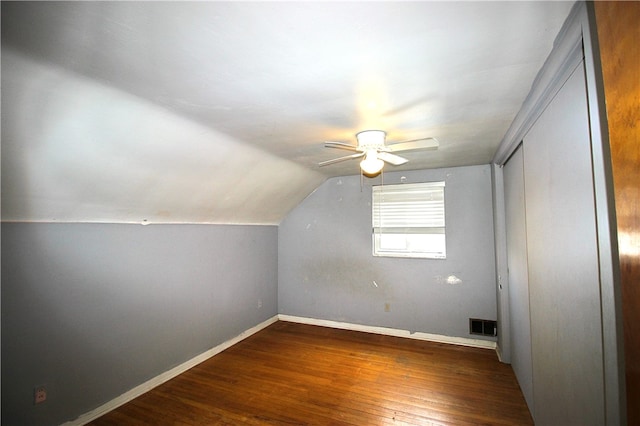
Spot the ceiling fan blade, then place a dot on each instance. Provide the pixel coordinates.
(340, 145)
(337, 160)
(393, 159)
(423, 143)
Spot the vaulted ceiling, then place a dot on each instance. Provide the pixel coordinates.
(216, 112)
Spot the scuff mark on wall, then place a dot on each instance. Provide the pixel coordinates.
(453, 280)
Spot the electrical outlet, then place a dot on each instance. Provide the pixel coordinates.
(39, 394)
(259, 303)
(387, 307)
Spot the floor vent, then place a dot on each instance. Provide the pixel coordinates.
(483, 327)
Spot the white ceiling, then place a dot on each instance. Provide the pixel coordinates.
(216, 112)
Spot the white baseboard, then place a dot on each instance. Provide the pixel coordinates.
(463, 341)
(500, 358)
(167, 375)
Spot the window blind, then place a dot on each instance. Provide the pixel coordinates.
(414, 205)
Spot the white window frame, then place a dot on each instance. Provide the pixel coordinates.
(409, 220)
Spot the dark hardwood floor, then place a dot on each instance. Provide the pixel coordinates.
(295, 374)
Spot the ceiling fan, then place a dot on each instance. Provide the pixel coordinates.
(371, 146)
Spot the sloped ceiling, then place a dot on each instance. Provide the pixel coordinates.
(216, 112)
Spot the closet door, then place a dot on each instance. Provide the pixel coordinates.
(516, 233)
(564, 287)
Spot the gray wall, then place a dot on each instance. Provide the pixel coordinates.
(93, 310)
(326, 269)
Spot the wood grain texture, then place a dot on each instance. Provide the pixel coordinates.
(618, 25)
(301, 374)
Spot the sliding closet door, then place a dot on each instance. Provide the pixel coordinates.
(516, 232)
(564, 287)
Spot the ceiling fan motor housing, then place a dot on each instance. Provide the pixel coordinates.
(370, 139)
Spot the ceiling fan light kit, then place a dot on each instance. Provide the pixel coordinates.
(371, 145)
(371, 165)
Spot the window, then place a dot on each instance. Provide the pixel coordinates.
(408, 220)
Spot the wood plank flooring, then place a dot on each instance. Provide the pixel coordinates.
(295, 374)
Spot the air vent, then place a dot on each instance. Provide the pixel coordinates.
(483, 327)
